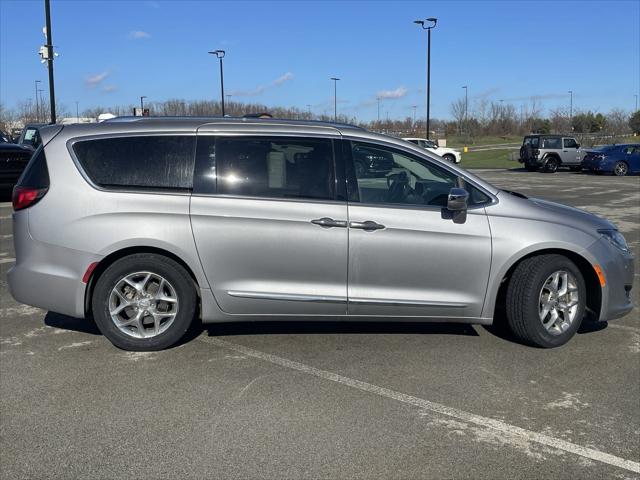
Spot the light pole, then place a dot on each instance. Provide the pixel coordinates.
(466, 106)
(142, 104)
(414, 113)
(335, 98)
(41, 102)
(309, 110)
(570, 106)
(50, 56)
(37, 106)
(428, 29)
(220, 54)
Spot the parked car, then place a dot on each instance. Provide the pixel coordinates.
(550, 152)
(30, 136)
(371, 163)
(143, 223)
(13, 160)
(620, 160)
(449, 154)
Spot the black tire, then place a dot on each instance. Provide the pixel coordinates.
(167, 268)
(523, 296)
(449, 158)
(551, 165)
(620, 169)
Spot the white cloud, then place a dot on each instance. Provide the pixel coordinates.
(109, 88)
(397, 93)
(262, 88)
(93, 81)
(139, 34)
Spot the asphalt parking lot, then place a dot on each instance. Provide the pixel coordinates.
(328, 400)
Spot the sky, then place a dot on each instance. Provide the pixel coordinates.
(284, 53)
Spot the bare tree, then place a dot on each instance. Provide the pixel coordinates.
(458, 111)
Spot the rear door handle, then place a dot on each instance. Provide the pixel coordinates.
(329, 222)
(367, 226)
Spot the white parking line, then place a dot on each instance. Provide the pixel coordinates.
(9, 235)
(7, 260)
(624, 327)
(485, 422)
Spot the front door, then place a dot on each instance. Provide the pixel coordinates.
(269, 229)
(407, 255)
(570, 152)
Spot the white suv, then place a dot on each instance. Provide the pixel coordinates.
(448, 154)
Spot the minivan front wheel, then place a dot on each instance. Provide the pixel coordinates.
(545, 300)
(144, 302)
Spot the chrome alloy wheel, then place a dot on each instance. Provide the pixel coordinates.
(620, 169)
(143, 305)
(558, 304)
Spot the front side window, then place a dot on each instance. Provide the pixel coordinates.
(139, 162)
(570, 143)
(396, 177)
(266, 167)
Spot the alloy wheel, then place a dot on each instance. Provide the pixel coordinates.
(558, 302)
(143, 304)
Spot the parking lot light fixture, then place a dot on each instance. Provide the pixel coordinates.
(220, 54)
(427, 27)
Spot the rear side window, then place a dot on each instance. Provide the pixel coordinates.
(36, 173)
(144, 162)
(295, 168)
(533, 141)
(551, 142)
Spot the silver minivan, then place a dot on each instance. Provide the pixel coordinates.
(148, 224)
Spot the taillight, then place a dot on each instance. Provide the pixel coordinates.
(24, 197)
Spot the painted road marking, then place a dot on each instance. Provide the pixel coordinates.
(485, 422)
(7, 260)
(6, 236)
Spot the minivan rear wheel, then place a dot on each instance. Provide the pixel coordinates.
(144, 302)
(545, 300)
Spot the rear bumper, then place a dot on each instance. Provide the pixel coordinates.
(47, 276)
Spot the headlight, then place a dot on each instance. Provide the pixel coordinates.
(616, 238)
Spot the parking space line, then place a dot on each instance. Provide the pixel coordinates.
(485, 422)
(625, 327)
(9, 235)
(7, 260)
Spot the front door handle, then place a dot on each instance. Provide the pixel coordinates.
(329, 222)
(367, 226)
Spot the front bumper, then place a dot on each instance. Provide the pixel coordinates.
(618, 269)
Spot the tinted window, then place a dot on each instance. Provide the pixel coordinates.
(570, 143)
(386, 175)
(154, 162)
(533, 141)
(36, 173)
(31, 137)
(266, 167)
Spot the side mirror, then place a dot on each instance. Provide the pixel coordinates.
(457, 199)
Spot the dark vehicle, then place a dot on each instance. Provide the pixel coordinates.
(30, 136)
(372, 163)
(5, 137)
(620, 160)
(550, 152)
(13, 160)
